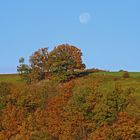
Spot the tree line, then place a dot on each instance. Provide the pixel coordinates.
(63, 61)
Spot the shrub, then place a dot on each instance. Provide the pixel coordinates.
(125, 74)
(4, 89)
(121, 70)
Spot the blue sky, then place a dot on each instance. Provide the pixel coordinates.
(109, 40)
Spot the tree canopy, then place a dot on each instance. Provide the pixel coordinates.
(63, 59)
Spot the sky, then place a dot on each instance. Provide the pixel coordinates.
(106, 31)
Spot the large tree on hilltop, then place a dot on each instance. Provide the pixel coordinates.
(65, 58)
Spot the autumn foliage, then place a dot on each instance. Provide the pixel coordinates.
(65, 58)
(61, 62)
(88, 107)
(74, 110)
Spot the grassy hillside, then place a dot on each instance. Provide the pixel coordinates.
(109, 79)
(12, 78)
(119, 74)
(15, 78)
(95, 106)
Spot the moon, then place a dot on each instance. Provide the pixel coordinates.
(84, 17)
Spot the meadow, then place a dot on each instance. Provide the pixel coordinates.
(12, 78)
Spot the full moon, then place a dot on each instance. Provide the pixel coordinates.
(84, 17)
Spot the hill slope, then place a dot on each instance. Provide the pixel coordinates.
(101, 105)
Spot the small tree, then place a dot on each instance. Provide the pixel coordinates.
(125, 74)
(23, 69)
(39, 59)
(38, 63)
(37, 69)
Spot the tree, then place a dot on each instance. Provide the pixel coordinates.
(5, 91)
(126, 127)
(63, 61)
(125, 74)
(105, 132)
(38, 62)
(23, 69)
(12, 118)
(37, 69)
(111, 103)
(65, 58)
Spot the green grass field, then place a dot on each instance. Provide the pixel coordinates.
(11, 78)
(132, 82)
(119, 74)
(107, 81)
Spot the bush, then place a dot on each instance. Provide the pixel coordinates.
(125, 74)
(121, 70)
(4, 89)
(95, 70)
